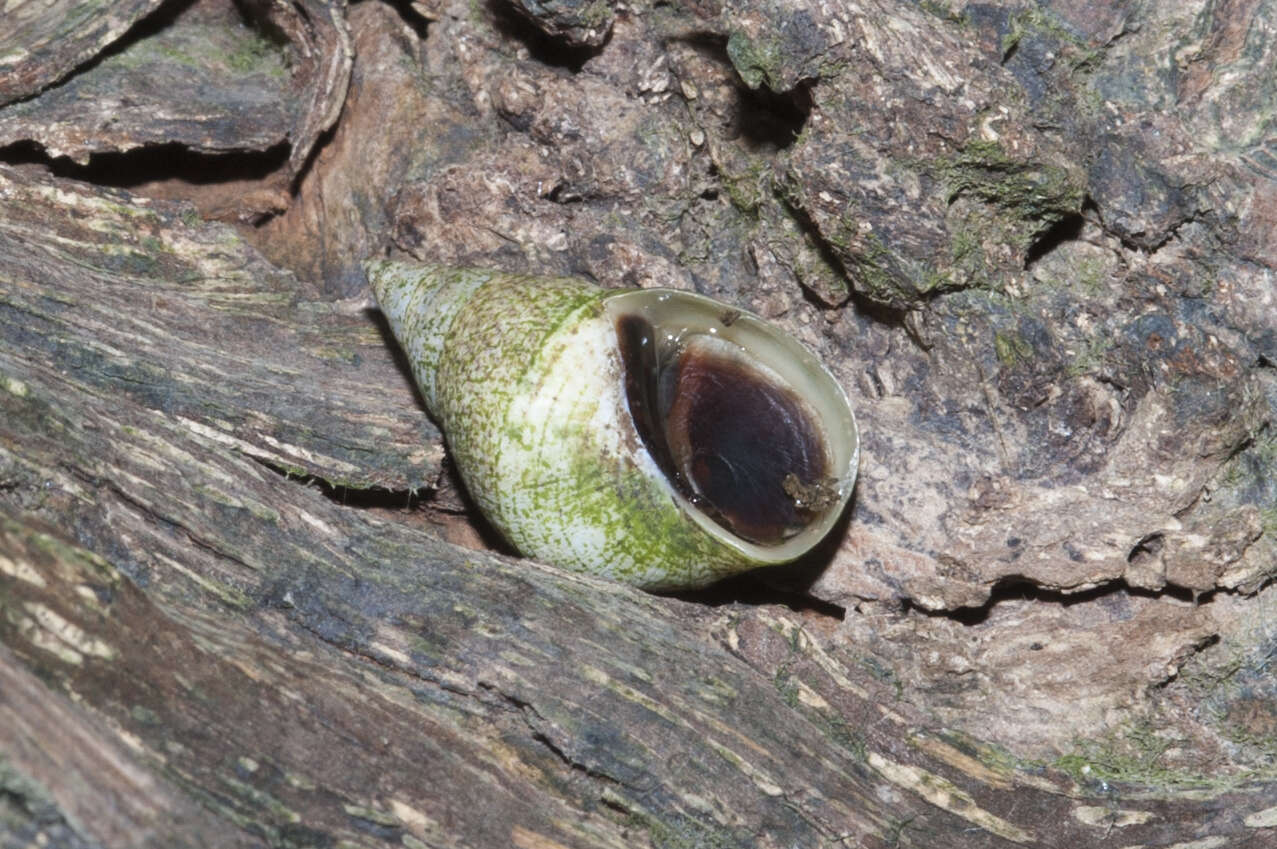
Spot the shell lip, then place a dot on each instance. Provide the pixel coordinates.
(678, 315)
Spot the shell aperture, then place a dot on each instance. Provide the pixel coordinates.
(655, 437)
(727, 433)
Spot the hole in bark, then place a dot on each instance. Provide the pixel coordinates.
(1148, 548)
(763, 119)
(24, 153)
(153, 163)
(418, 22)
(1010, 50)
(769, 120)
(884, 314)
(1065, 230)
(544, 48)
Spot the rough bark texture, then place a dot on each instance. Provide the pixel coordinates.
(43, 41)
(263, 80)
(1035, 241)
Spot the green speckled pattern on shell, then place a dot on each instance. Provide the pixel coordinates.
(524, 376)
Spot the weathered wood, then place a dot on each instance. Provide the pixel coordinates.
(1065, 436)
(212, 77)
(1029, 242)
(40, 42)
(225, 88)
(78, 780)
(192, 323)
(308, 673)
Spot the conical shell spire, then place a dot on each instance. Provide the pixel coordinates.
(420, 302)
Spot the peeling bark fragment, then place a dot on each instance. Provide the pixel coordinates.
(1123, 523)
(1136, 202)
(320, 59)
(941, 185)
(343, 203)
(272, 81)
(42, 41)
(197, 329)
(1204, 558)
(577, 23)
(212, 85)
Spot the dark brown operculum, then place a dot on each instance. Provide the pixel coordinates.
(729, 439)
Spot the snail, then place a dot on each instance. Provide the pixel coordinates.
(653, 436)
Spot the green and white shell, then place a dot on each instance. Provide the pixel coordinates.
(652, 436)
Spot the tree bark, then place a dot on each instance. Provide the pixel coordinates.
(230, 612)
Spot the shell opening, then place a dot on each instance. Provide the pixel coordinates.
(730, 434)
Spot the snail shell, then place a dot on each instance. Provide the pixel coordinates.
(652, 436)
